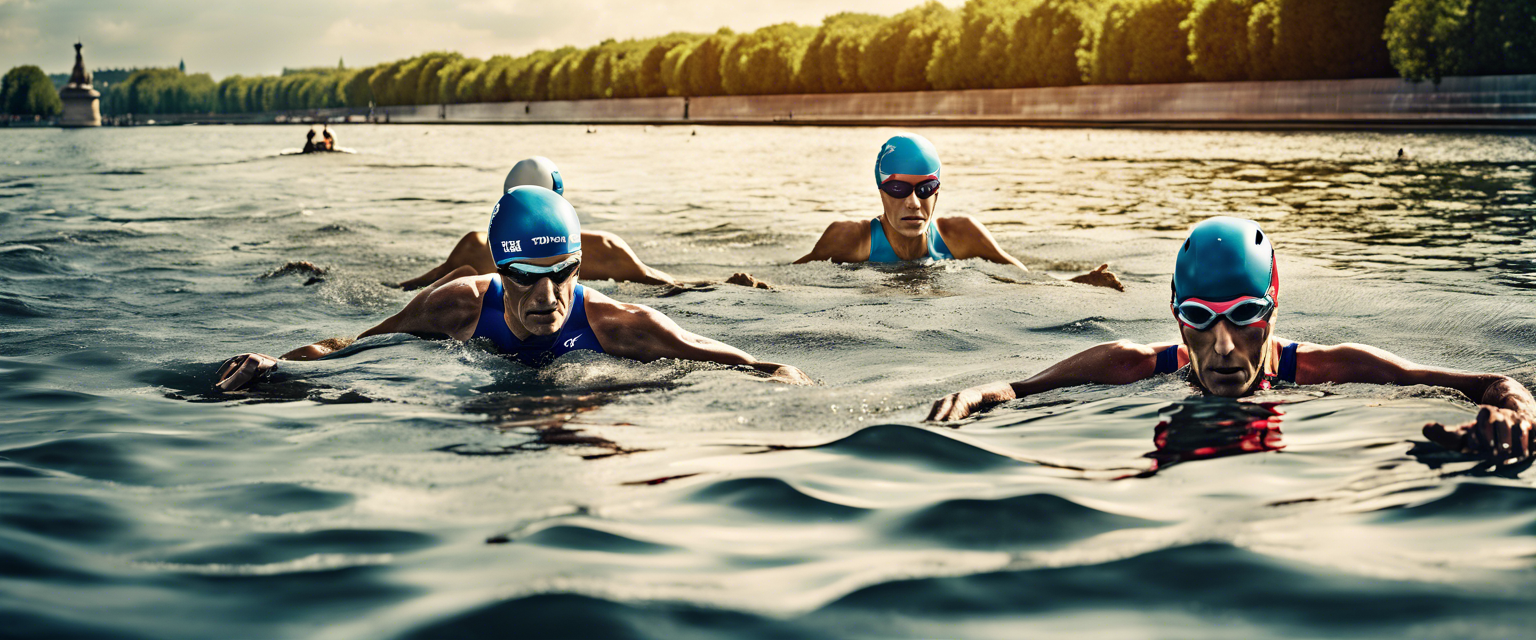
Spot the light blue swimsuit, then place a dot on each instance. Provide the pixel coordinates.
(880, 249)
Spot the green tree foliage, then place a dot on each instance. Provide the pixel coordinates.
(975, 55)
(1139, 41)
(1319, 38)
(819, 70)
(896, 54)
(1430, 39)
(1218, 39)
(700, 71)
(983, 44)
(764, 61)
(155, 91)
(1046, 39)
(27, 91)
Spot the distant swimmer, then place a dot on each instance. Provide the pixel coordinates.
(607, 256)
(1225, 293)
(907, 174)
(531, 308)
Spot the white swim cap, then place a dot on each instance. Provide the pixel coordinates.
(538, 171)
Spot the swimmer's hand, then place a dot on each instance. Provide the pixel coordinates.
(964, 403)
(1498, 434)
(244, 369)
(746, 280)
(1101, 277)
(786, 374)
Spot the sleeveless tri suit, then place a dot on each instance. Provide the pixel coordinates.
(880, 248)
(575, 335)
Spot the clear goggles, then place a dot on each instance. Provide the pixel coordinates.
(1200, 315)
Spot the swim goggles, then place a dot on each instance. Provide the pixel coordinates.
(1200, 315)
(527, 275)
(900, 190)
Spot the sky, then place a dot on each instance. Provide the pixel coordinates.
(224, 37)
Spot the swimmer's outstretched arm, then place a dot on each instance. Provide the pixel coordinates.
(448, 307)
(1502, 430)
(1119, 362)
(641, 333)
(967, 238)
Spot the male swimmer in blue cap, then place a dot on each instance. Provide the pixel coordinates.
(531, 308)
(1225, 292)
(605, 256)
(907, 175)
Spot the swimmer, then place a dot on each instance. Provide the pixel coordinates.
(531, 308)
(1225, 292)
(606, 256)
(907, 175)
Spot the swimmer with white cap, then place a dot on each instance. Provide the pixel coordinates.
(907, 176)
(606, 255)
(530, 308)
(1226, 292)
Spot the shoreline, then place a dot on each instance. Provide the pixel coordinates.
(1457, 103)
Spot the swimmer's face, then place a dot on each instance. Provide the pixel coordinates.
(542, 308)
(1226, 357)
(907, 216)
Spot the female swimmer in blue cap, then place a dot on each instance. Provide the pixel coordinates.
(1226, 289)
(907, 175)
(531, 308)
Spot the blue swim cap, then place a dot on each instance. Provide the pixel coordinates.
(1224, 259)
(532, 222)
(906, 153)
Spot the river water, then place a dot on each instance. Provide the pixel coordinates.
(426, 489)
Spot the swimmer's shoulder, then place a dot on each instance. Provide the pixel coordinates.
(620, 326)
(965, 236)
(453, 307)
(845, 241)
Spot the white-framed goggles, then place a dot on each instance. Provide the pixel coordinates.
(1201, 314)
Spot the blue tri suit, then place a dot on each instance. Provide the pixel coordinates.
(880, 248)
(536, 351)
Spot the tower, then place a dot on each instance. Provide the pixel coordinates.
(82, 104)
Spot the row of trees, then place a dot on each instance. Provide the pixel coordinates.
(983, 44)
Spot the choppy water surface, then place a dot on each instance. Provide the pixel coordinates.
(422, 489)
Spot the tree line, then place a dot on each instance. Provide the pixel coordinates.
(984, 44)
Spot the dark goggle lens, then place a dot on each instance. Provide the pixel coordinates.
(1248, 311)
(528, 279)
(899, 189)
(1197, 316)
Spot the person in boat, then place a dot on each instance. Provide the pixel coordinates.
(330, 141)
(531, 308)
(309, 141)
(605, 255)
(1226, 290)
(907, 176)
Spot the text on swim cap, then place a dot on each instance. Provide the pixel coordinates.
(511, 246)
(547, 239)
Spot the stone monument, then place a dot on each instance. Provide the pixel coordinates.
(82, 104)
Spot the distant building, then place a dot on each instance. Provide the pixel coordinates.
(82, 104)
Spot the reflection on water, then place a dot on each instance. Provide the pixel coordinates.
(1201, 428)
(356, 496)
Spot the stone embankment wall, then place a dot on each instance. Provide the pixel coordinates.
(1478, 102)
